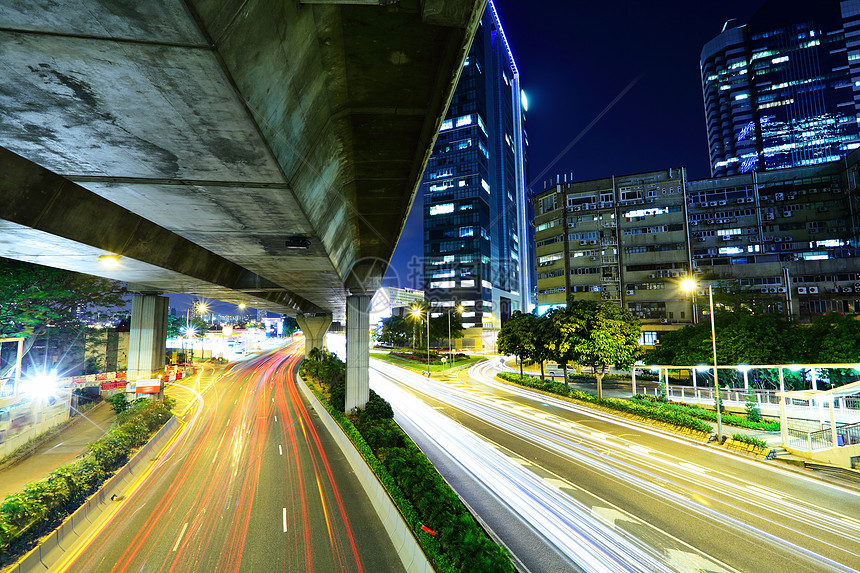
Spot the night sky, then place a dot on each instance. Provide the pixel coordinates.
(574, 59)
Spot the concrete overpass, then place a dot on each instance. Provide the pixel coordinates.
(255, 151)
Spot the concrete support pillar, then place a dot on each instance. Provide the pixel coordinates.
(357, 350)
(633, 379)
(147, 340)
(314, 327)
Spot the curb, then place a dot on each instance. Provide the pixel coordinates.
(65, 534)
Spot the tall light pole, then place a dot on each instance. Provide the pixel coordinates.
(689, 284)
(450, 345)
(416, 312)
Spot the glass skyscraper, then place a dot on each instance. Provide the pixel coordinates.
(476, 234)
(783, 90)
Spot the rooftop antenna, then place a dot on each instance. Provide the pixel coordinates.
(726, 25)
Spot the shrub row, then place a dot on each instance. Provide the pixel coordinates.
(711, 415)
(749, 440)
(637, 408)
(420, 493)
(41, 506)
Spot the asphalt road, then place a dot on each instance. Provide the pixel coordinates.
(252, 483)
(568, 488)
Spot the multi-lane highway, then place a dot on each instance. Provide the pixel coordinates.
(251, 483)
(569, 488)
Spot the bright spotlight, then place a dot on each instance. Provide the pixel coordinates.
(703, 368)
(42, 385)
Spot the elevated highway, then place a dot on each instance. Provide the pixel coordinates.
(248, 151)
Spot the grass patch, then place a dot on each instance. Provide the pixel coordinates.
(421, 366)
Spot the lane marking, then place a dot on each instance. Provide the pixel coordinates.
(692, 467)
(640, 449)
(280, 450)
(181, 535)
(276, 418)
(285, 520)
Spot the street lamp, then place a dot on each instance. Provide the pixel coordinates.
(450, 345)
(416, 312)
(690, 285)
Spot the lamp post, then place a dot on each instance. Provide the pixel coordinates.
(416, 312)
(450, 345)
(691, 285)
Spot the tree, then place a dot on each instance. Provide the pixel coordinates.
(439, 327)
(517, 335)
(605, 334)
(176, 326)
(37, 300)
(395, 331)
(561, 329)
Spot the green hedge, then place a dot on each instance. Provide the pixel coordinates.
(749, 440)
(41, 506)
(419, 492)
(637, 408)
(711, 415)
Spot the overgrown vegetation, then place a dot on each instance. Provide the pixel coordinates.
(420, 493)
(643, 408)
(41, 506)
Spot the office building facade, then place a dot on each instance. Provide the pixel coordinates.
(785, 239)
(476, 232)
(783, 90)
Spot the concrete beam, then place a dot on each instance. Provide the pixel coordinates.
(42, 204)
(314, 327)
(148, 337)
(357, 351)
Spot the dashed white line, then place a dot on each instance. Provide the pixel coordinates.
(276, 418)
(179, 539)
(280, 450)
(285, 520)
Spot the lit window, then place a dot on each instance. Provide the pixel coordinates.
(468, 283)
(441, 284)
(487, 284)
(464, 120)
(485, 185)
(467, 231)
(446, 125)
(442, 209)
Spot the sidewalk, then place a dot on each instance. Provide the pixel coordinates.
(63, 448)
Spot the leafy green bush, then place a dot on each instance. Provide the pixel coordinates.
(377, 408)
(119, 402)
(749, 440)
(751, 407)
(42, 505)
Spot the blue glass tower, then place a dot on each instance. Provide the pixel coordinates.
(477, 249)
(783, 90)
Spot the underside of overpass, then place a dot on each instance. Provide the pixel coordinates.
(264, 152)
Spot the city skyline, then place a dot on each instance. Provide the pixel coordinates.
(573, 71)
